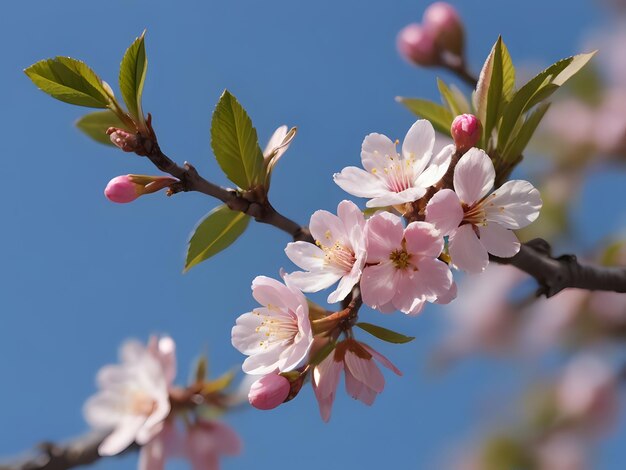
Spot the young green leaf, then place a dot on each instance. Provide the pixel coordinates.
(132, 77)
(537, 89)
(494, 93)
(217, 231)
(96, 124)
(508, 74)
(449, 98)
(482, 87)
(384, 333)
(235, 143)
(71, 81)
(525, 133)
(440, 117)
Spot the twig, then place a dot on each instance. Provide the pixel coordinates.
(555, 274)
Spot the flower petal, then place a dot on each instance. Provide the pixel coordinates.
(360, 183)
(350, 215)
(305, 255)
(408, 298)
(514, 205)
(327, 228)
(391, 198)
(123, 435)
(433, 277)
(466, 251)
(437, 168)
(499, 241)
(276, 141)
(382, 359)
(422, 238)
(384, 233)
(418, 144)
(444, 211)
(376, 152)
(313, 281)
(473, 176)
(378, 284)
(365, 371)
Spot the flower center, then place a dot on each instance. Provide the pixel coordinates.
(475, 214)
(399, 175)
(400, 259)
(141, 403)
(275, 328)
(338, 256)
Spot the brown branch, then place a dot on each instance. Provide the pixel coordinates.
(555, 274)
(253, 202)
(48, 456)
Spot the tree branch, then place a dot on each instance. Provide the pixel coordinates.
(555, 274)
(81, 451)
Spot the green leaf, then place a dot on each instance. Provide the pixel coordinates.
(71, 81)
(508, 74)
(439, 116)
(384, 333)
(537, 89)
(480, 97)
(235, 143)
(217, 231)
(449, 98)
(494, 93)
(96, 124)
(525, 133)
(132, 76)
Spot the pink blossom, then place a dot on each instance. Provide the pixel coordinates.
(278, 336)
(202, 443)
(339, 255)
(269, 391)
(364, 381)
(133, 399)
(392, 178)
(402, 269)
(416, 45)
(127, 188)
(466, 131)
(563, 451)
(276, 147)
(477, 223)
(588, 392)
(443, 22)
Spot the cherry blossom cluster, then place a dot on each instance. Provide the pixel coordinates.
(454, 219)
(139, 402)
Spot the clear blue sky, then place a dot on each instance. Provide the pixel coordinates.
(78, 274)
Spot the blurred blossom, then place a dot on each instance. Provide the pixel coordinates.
(608, 307)
(482, 318)
(201, 443)
(548, 320)
(588, 393)
(610, 123)
(133, 399)
(563, 451)
(571, 121)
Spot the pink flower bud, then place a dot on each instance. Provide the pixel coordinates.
(125, 140)
(269, 391)
(121, 189)
(466, 131)
(417, 45)
(127, 188)
(445, 25)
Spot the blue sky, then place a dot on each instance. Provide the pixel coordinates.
(79, 274)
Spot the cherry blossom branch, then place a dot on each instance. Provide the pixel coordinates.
(458, 66)
(252, 203)
(49, 456)
(555, 274)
